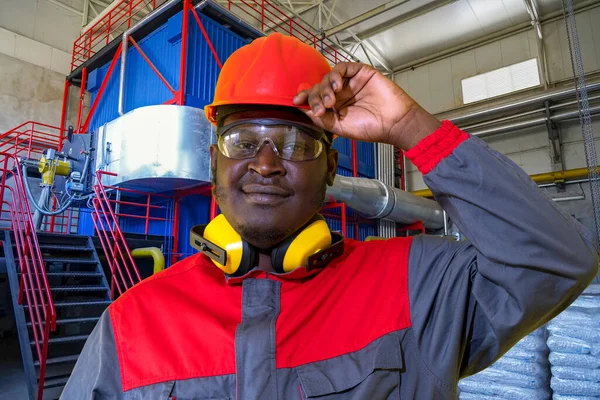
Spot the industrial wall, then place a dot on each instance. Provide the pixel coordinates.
(437, 87)
(36, 38)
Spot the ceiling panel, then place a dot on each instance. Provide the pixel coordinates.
(492, 15)
(447, 26)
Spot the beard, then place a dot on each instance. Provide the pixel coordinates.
(262, 236)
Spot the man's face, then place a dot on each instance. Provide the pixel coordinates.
(266, 198)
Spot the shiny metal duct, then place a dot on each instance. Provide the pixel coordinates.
(375, 199)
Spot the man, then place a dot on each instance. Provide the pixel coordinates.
(403, 318)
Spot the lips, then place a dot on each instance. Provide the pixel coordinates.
(265, 194)
(265, 190)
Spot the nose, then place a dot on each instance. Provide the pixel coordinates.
(267, 162)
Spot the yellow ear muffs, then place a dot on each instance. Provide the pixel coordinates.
(224, 246)
(295, 251)
(313, 247)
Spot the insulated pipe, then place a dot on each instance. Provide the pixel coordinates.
(124, 42)
(155, 253)
(529, 123)
(546, 177)
(554, 95)
(375, 199)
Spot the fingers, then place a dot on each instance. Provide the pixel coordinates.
(323, 95)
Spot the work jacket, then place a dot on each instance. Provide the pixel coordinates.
(404, 318)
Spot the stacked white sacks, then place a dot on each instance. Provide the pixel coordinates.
(522, 373)
(574, 342)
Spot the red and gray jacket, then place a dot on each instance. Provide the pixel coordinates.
(398, 319)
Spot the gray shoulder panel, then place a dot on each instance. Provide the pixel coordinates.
(96, 374)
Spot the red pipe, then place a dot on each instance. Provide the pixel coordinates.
(175, 230)
(81, 94)
(354, 160)
(101, 90)
(63, 114)
(208, 41)
(183, 57)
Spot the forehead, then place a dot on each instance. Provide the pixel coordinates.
(262, 112)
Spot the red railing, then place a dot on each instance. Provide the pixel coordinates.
(31, 139)
(271, 18)
(33, 284)
(117, 20)
(124, 272)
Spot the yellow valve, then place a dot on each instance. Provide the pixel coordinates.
(50, 168)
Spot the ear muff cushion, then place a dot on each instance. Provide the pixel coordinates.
(312, 239)
(220, 232)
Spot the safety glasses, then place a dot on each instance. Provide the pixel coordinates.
(290, 141)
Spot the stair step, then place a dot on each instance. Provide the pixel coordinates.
(86, 288)
(69, 260)
(83, 303)
(79, 303)
(65, 321)
(78, 288)
(59, 360)
(64, 247)
(64, 339)
(50, 383)
(75, 274)
(60, 235)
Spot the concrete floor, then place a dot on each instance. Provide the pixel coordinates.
(12, 377)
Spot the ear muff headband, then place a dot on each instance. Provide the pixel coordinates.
(235, 257)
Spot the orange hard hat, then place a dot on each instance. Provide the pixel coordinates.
(271, 70)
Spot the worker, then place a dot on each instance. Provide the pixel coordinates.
(275, 306)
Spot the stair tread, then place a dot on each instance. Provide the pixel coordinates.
(64, 339)
(71, 260)
(79, 303)
(64, 321)
(58, 360)
(61, 235)
(64, 247)
(78, 288)
(75, 274)
(55, 382)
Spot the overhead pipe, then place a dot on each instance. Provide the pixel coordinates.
(553, 95)
(524, 114)
(529, 123)
(547, 177)
(377, 200)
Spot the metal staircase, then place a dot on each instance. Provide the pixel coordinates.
(80, 293)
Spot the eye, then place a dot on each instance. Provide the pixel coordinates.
(294, 147)
(244, 145)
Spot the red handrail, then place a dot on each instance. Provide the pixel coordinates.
(99, 34)
(124, 272)
(33, 284)
(31, 138)
(272, 18)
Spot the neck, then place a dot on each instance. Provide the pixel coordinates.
(264, 262)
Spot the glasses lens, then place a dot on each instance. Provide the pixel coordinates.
(288, 142)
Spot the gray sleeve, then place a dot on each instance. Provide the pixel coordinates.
(96, 374)
(524, 262)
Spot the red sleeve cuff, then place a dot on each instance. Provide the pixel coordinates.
(428, 153)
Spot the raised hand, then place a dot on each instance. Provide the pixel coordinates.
(356, 101)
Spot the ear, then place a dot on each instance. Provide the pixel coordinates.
(332, 162)
(214, 153)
